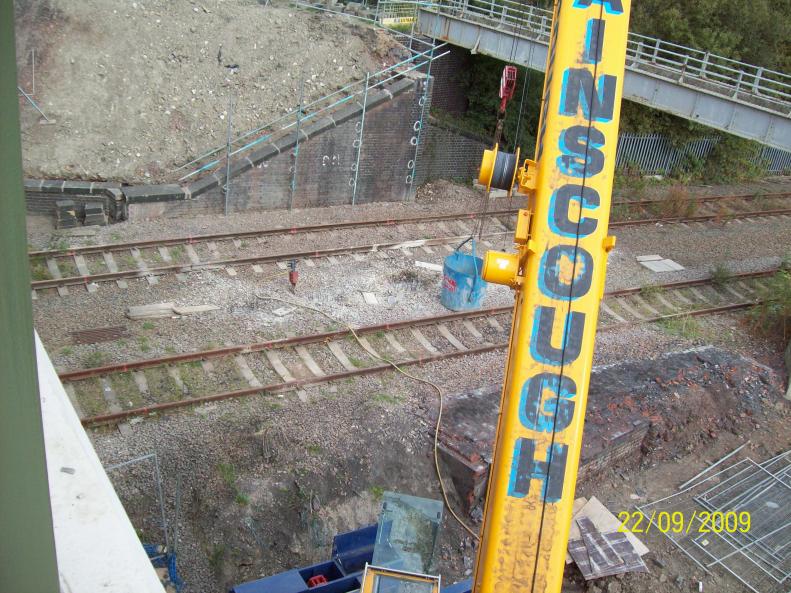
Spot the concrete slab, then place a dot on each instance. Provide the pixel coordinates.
(86, 511)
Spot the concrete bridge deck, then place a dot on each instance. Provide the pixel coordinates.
(745, 100)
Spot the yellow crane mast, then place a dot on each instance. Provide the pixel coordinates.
(558, 274)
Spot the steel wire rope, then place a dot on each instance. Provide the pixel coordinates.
(486, 199)
(437, 388)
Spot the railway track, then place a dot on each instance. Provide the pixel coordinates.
(88, 266)
(118, 392)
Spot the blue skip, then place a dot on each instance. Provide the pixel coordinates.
(462, 286)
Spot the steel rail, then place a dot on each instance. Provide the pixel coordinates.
(81, 374)
(409, 243)
(701, 218)
(258, 259)
(295, 230)
(287, 385)
(318, 228)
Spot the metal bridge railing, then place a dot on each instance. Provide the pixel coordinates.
(309, 111)
(724, 76)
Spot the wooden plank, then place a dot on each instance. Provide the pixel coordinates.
(608, 310)
(278, 365)
(54, 271)
(192, 254)
(465, 230)
(699, 295)
(645, 304)
(338, 353)
(370, 349)
(745, 287)
(231, 271)
(314, 368)
(175, 374)
(734, 292)
(495, 324)
(109, 395)
(454, 341)
(665, 302)
(142, 266)
(193, 309)
(154, 311)
(470, 327)
(213, 250)
(391, 339)
(423, 341)
(246, 371)
(141, 382)
(109, 261)
(164, 253)
(679, 295)
(622, 302)
(82, 268)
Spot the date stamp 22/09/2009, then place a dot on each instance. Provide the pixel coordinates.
(679, 523)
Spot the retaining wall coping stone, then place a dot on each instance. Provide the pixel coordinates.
(153, 193)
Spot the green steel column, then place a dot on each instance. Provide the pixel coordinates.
(27, 545)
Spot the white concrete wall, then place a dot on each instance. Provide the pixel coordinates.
(97, 547)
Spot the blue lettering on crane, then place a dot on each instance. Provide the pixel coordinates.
(548, 399)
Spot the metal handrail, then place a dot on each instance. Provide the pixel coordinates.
(333, 100)
(643, 52)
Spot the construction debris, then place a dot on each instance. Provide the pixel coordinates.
(599, 546)
(738, 519)
(66, 214)
(657, 263)
(428, 266)
(161, 310)
(600, 554)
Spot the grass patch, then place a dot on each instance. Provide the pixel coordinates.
(228, 474)
(684, 327)
(620, 212)
(90, 396)
(217, 556)
(377, 492)
(650, 290)
(313, 448)
(148, 325)
(58, 244)
(677, 203)
(38, 269)
(144, 344)
(358, 362)
(385, 398)
(720, 275)
(94, 359)
(67, 351)
(772, 317)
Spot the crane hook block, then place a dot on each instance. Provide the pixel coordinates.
(498, 169)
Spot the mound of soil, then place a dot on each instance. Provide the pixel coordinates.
(138, 88)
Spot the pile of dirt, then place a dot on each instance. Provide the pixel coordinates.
(138, 88)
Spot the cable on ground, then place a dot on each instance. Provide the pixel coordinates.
(437, 388)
